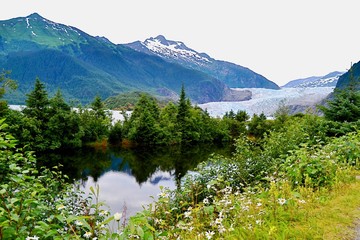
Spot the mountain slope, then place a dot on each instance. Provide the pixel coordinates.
(351, 76)
(83, 66)
(177, 52)
(329, 80)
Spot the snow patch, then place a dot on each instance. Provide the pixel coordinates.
(27, 23)
(174, 50)
(34, 34)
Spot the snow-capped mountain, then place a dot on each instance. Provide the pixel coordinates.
(171, 50)
(329, 80)
(232, 75)
(84, 66)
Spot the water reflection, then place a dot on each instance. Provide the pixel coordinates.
(130, 177)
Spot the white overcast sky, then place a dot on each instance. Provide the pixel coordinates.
(280, 39)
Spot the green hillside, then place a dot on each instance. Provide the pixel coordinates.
(353, 75)
(83, 66)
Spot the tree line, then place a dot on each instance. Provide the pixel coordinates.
(51, 123)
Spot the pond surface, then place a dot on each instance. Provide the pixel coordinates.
(128, 178)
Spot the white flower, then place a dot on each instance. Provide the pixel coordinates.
(117, 216)
(187, 214)
(221, 229)
(259, 204)
(163, 195)
(103, 213)
(206, 201)
(78, 223)
(32, 238)
(218, 221)
(209, 234)
(87, 235)
(281, 201)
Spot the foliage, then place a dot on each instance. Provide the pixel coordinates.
(116, 133)
(219, 201)
(345, 105)
(45, 124)
(258, 126)
(6, 83)
(173, 124)
(127, 101)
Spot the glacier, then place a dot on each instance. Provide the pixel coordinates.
(267, 101)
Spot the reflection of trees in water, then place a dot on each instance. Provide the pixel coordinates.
(141, 163)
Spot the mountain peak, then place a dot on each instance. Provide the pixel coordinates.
(34, 15)
(161, 38)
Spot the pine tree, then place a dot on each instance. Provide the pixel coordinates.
(183, 114)
(345, 106)
(37, 102)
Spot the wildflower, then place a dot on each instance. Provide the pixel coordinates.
(206, 201)
(258, 222)
(78, 223)
(281, 201)
(302, 201)
(187, 214)
(117, 216)
(245, 208)
(163, 195)
(103, 213)
(259, 204)
(218, 221)
(221, 229)
(32, 238)
(209, 234)
(87, 235)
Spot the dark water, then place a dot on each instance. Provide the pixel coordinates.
(130, 177)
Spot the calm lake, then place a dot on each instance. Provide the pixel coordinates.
(130, 177)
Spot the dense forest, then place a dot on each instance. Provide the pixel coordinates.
(52, 124)
(282, 171)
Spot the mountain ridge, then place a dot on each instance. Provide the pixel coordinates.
(84, 66)
(328, 80)
(233, 75)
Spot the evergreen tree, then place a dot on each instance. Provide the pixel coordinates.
(345, 107)
(258, 126)
(143, 125)
(96, 122)
(37, 102)
(242, 116)
(183, 115)
(183, 108)
(98, 107)
(63, 129)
